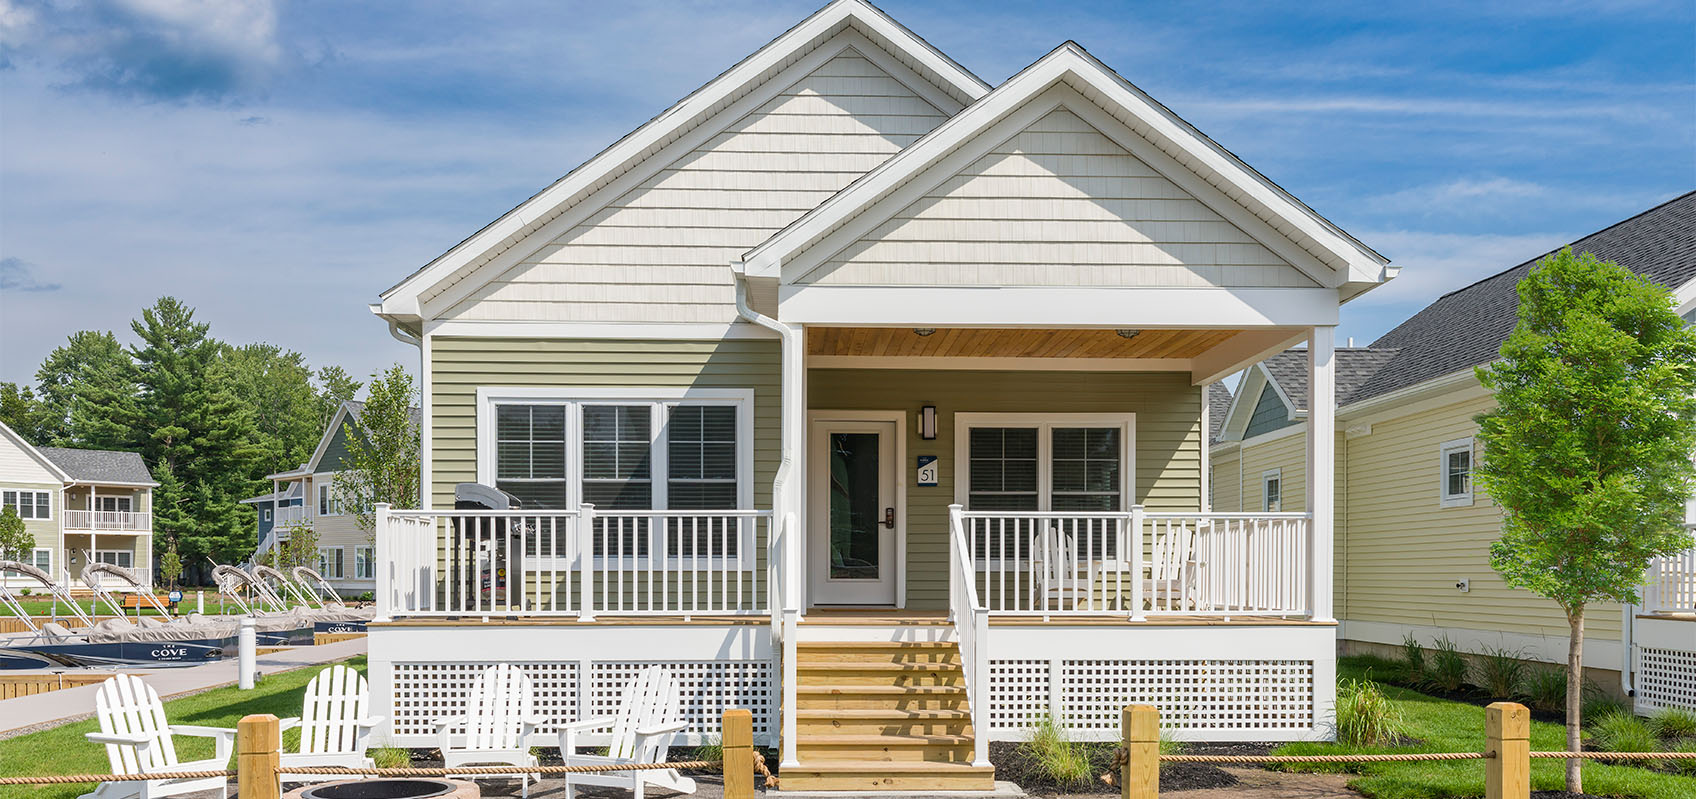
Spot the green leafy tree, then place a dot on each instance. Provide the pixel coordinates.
(171, 564)
(87, 390)
(15, 541)
(276, 385)
(383, 461)
(1588, 449)
(20, 411)
(300, 550)
(335, 386)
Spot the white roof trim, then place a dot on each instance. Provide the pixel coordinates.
(30, 450)
(335, 426)
(1102, 87)
(403, 299)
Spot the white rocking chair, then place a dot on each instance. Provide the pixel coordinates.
(139, 741)
(649, 716)
(335, 728)
(500, 717)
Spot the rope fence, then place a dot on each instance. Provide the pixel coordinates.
(1507, 754)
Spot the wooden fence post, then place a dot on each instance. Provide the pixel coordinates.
(259, 744)
(738, 739)
(1507, 732)
(1140, 727)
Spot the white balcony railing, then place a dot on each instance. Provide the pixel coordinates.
(287, 515)
(113, 520)
(1138, 563)
(574, 563)
(1671, 587)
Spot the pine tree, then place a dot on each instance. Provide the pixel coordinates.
(336, 386)
(87, 393)
(277, 386)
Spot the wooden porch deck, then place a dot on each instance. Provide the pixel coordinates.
(854, 617)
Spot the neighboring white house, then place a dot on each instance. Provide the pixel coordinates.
(307, 495)
(849, 349)
(1413, 535)
(80, 504)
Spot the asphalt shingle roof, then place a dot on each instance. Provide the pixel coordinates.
(1355, 366)
(1218, 404)
(1466, 328)
(99, 465)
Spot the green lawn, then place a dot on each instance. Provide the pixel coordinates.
(46, 607)
(1446, 726)
(63, 750)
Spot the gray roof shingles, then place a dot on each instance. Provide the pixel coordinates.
(1355, 366)
(1218, 404)
(99, 465)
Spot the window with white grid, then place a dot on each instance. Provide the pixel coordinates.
(1018, 693)
(1191, 694)
(1666, 678)
(424, 692)
(707, 687)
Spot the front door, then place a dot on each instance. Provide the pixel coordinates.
(852, 513)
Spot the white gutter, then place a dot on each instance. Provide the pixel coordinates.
(793, 404)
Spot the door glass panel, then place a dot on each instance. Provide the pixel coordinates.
(854, 511)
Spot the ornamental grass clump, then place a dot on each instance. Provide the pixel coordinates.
(1448, 668)
(1413, 659)
(391, 757)
(1623, 732)
(1365, 716)
(1545, 689)
(1673, 723)
(1500, 673)
(1055, 755)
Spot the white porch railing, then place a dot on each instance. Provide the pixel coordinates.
(573, 563)
(1138, 563)
(1671, 585)
(971, 630)
(288, 514)
(114, 520)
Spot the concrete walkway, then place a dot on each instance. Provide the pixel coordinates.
(50, 709)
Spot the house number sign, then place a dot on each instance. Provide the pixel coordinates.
(927, 471)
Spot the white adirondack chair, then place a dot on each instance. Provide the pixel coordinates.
(500, 716)
(1058, 580)
(139, 741)
(1171, 584)
(650, 714)
(335, 725)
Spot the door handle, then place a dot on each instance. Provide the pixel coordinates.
(889, 518)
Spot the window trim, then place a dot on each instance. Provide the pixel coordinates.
(130, 552)
(19, 492)
(370, 562)
(341, 559)
(1444, 498)
(33, 562)
(1266, 477)
(662, 399)
(1045, 423)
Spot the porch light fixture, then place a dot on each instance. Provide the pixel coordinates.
(923, 331)
(1125, 332)
(927, 423)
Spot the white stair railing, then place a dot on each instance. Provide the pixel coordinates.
(971, 629)
(1671, 583)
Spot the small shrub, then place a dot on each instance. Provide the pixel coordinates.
(1055, 755)
(29, 591)
(1674, 722)
(1448, 667)
(1545, 689)
(391, 757)
(1170, 745)
(1623, 732)
(367, 597)
(1413, 658)
(1687, 767)
(1500, 673)
(1364, 716)
(711, 748)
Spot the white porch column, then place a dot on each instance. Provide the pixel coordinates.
(1321, 466)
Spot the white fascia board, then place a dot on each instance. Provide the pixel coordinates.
(1291, 412)
(30, 450)
(311, 464)
(1008, 364)
(402, 298)
(1069, 63)
(673, 331)
(1438, 392)
(1684, 297)
(1242, 351)
(1057, 307)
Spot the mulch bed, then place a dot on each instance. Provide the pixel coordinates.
(1013, 764)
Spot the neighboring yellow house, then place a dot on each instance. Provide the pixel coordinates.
(80, 505)
(1413, 536)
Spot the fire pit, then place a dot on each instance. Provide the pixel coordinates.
(396, 788)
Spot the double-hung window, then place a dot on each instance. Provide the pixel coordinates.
(29, 504)
(330, 562)
(1272, 490)
(1455, 473)
(1057, 463)
(42, 558)
(364, 564)
(627, 453)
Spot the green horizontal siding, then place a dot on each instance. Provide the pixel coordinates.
(1168, 437)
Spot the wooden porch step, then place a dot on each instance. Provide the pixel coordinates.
(828, 775)
(880, 697)
(803, 646)
(882, 721)
(882, 748)
(876, 665)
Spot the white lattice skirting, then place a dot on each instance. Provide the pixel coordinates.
(426, 691)
(1665, 678)
(1242, 698)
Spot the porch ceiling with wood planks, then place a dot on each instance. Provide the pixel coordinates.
(961, 342)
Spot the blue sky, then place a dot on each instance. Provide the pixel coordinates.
(277, 164)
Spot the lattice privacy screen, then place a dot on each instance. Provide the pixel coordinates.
(708, 689)
(424, 692)
(1191, 694)
(1666, 678)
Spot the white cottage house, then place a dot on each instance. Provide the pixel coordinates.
(872, 398)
